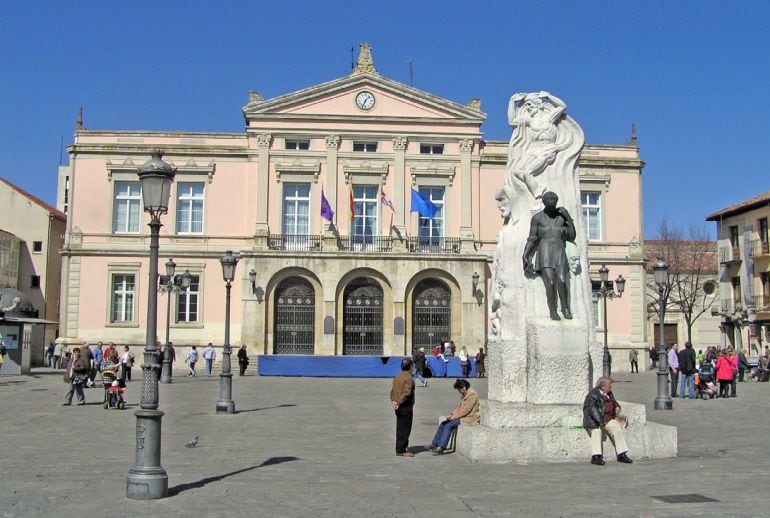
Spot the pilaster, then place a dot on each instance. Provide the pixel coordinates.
(332, 171)
(399, 168)
(466, 226)
(261, 231)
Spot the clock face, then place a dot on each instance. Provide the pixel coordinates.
(365, 100)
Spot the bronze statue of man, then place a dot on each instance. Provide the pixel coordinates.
(549, 231)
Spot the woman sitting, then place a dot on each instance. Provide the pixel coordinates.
(467, 414)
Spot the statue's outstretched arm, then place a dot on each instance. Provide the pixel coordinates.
(558, 104)
(513, 107)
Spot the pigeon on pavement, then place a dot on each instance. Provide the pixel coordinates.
(193, 442)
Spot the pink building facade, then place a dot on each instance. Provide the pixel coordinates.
(380, 280)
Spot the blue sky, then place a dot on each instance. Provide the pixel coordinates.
(693, 76)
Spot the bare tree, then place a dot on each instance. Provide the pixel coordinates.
(692, 270)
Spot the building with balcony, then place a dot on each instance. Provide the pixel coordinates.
(376, 280)
(744, 272)
(694, 277)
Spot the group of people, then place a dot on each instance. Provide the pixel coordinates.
(727, 366)
(86, 363)
(446, 349)
(402, 399)
(210, 356)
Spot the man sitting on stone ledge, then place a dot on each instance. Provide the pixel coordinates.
(466, 414)
(601, 415)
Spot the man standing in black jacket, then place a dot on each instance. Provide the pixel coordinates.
(687, 369)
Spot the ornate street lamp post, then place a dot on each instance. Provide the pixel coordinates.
(663, 399)
(607, 291)
(225, 403)
(147, 480)
(169, 284)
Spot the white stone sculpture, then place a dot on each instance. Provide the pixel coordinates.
(541, 368)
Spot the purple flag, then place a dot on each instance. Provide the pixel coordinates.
(326, 210)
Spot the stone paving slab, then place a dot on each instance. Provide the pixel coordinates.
(325, 447)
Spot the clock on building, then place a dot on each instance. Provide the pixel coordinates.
(365, 100)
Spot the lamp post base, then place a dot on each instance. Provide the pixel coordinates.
(663, 403)
(147, 480)
(225, 407)
(225, 403)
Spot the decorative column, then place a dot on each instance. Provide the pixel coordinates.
(466, 184)
(399, 168)
(261, 232)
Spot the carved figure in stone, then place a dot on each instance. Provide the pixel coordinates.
(541, 133)
(550, 230)
(504, 198)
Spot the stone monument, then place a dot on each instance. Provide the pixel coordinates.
(541, 364)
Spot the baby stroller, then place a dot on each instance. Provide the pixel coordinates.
(704, 385)
(113, 390)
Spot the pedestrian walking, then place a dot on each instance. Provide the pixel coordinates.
(673, 368)
(243, 359)
(209, 355)
(687, 367)
(49, 355)
(465, 363)
(57, 353)
(481, 369)
(88, 357)
(127, 361)
(743, 364)
(76, 375)
(420, 364)
(191, 359)
(725, 374)
(633, 359)
(402, 403)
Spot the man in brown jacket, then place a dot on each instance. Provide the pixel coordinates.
(466, 414)
(402, 402)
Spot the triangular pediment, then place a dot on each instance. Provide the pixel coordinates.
(337, 99)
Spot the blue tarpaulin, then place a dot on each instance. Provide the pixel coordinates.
(351, 366)
(329, 366)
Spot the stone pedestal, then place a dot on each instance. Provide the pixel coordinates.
(537, 385)
(526, 434)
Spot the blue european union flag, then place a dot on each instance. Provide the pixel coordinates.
(422, 205)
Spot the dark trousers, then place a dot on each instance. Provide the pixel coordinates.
(635, 366)
(674, 380)
(724, 388)
(243, 367)
(403, 427)
(733, 384)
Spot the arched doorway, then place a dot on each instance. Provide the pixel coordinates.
(362, 318)
(294, 317)
(431, 313)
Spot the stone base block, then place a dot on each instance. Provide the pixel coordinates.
(529, 434)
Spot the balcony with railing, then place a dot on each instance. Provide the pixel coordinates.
(729, 254)
(356, 243)
(304, 242)
(759, 248)
(762, 302)
(365, 243)
(434, 245)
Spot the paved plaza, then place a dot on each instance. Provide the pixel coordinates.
(325, 447)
